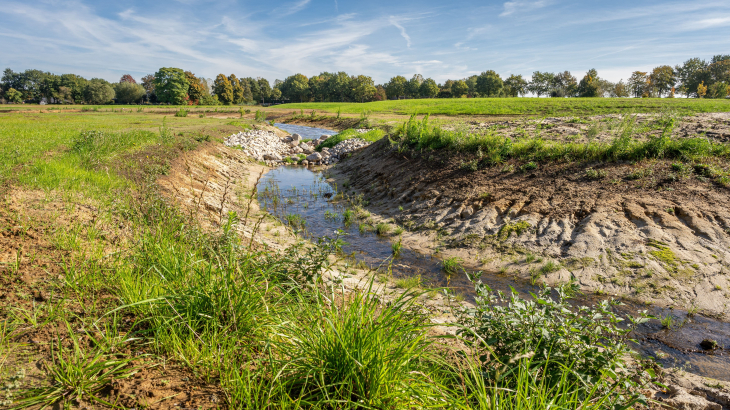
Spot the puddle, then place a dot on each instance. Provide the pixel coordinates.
(292, 190)
(307, 133)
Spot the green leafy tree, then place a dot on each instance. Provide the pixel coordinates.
(238, 90)
(472, 83)
(223, 88)
(380, 94)
(718, 90)
(253, 85)
(339, 87)
(171, 85)
(14, 95)
(459, 89)
(428, 88)
(197, 88)
(264, 89)
(621, 90)
(590, 85)
(413, 89)
(396, 87)
(295, 87)
(690, 75)
(98, 91)
(363, 88)
(319, 87)
(541, 83)
(128, 92)
(638, 82)
(663, 79)
(489, 84)
(515, 85)
(563, 84)
(276, 94)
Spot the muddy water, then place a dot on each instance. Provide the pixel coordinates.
(291, 190)
(307, 133)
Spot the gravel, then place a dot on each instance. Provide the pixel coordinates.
(267, 146)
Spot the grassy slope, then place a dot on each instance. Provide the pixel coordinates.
(521, 106)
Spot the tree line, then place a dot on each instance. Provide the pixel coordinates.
(694, 78)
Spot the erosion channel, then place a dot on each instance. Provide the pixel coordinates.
(306, 200)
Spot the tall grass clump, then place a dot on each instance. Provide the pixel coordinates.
(370, 136)
(495, 149)
(260, 116)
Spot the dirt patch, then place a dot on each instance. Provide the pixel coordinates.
(644, 231)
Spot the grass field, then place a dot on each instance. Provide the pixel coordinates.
(553, 107)
(142, 286)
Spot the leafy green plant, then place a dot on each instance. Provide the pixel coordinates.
(182, 112)
(397, 247)
(595, 174)
(550, 336)
(260, 116)
(383, 228)
(410, 282)
(452, 265)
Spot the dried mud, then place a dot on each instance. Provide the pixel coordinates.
(660, 238)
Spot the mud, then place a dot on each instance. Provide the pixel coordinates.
(661, 238)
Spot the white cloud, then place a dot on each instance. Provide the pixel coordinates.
(403, 33)
(518, 6)
(291, 8)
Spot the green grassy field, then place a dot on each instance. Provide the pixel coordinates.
(555, 107)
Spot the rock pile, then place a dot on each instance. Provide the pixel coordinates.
(267, 146)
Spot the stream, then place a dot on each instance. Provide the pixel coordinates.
(293, 190)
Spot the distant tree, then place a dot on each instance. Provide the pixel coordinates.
(413, 89)
(663, 79)
(620, 90)
(237, 89)
(296, 87)
(363, 88)
(14, 95)
(562, 84)
(319, 87)
(380, 94)
(720, 70)
(64, 95)
(515, 85)
(701, 90)
(459, 89)
(590, 85)
(338, 86)
(691, 74)
(489, 84)
(197, 88)
(98, 91)
(223, 89)
(471, 82)
(541, 83)
(171, 85)
(148, 82)
(253, 85)
(638, 83)
(276, 94)
(264, 89)
(428, 88)
(247, 94)
(396, 87)
(128, 92)
(718, 90)
(126, 78)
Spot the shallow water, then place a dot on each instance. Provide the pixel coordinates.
(302, 191)
(307, 133)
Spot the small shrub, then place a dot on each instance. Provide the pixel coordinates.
(549, 267)
(182, 112)
(517, 227)
(530, 166)
(554, 336)
(397, 248)
(595, 174)
(470, 166)
(260, 116)
(639, 174)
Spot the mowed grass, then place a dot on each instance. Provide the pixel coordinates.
(554, 107)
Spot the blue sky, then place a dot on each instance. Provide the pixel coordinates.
(439, 39)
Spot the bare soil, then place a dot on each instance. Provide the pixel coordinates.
(640, 231)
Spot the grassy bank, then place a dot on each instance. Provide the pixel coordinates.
(554, 107)
(141, 289)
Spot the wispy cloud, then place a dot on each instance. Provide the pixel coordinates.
(291, 8)
(402, 29)
(518, 6)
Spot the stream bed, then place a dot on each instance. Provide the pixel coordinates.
(307, 133)
(292, 190)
